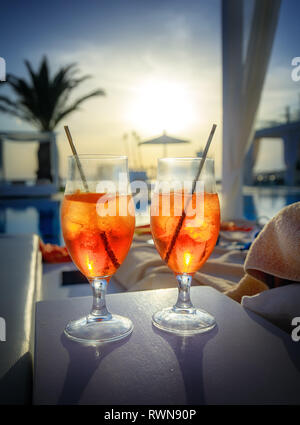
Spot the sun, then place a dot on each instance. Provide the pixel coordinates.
(161, 105)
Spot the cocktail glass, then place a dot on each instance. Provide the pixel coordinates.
(185, 222)
(98, 222)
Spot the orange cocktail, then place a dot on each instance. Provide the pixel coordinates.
(198, 234)
(185, 222)
(97, 244)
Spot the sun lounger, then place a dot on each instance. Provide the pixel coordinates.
(20, 280)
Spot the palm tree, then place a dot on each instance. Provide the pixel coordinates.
(44, 102)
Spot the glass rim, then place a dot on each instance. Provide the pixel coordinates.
(98, 156)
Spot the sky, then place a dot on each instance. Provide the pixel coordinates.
(160, 64)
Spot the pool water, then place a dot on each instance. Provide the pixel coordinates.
(264, 203)
(42, 215)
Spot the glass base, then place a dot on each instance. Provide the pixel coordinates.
(92, 330)
(183, 321)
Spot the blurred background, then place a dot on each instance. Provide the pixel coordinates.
(157, 69)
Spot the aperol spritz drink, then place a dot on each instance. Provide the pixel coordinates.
(185, 223)
(98, 222)
(197, 236)
(97, 245)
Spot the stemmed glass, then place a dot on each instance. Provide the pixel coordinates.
(98, 222)
(185, 222)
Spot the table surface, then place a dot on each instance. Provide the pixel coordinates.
(245, 359)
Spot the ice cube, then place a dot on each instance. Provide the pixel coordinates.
(199, 234)
(71, 229)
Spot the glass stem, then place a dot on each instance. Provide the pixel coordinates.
(99, 311)
(184, 299)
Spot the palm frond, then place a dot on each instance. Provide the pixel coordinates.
(43, 100)
(8, 101)
(76, 104)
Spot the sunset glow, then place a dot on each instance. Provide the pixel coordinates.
(161, 105)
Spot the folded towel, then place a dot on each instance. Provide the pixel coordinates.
(274, 257)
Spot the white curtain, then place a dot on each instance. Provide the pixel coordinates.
(250, 161)
(242, 86)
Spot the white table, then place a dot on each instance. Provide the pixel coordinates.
(244, 360)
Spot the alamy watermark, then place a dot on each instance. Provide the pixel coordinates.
(2, 69)
(296, 71)
(167, 199)
(2, 329)
(296, 330)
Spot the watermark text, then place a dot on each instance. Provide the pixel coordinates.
(2, 329)
(296, 330)
(168, 199)
(296, 70)
(2, 69)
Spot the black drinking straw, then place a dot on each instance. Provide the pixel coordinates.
(85, 185)
(183, 215)
(103, 235)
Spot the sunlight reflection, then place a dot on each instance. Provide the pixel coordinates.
(162, 105)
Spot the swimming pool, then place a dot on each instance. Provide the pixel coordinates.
(32, 215)
(265, 202)
(42, 215)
